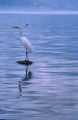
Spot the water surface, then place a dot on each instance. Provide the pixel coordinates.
(48, 89)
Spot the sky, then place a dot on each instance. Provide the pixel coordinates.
(38, 5)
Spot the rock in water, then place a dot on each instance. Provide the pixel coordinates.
(25, 62)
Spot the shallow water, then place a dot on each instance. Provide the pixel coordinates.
(48, 89)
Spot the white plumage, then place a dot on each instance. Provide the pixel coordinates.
(26, 44)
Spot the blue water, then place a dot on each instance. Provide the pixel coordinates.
(48, 89)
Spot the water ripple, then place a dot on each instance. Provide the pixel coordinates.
(48, 88)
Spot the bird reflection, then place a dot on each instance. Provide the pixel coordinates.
(25, 81)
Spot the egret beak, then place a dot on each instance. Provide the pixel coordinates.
(17, 27)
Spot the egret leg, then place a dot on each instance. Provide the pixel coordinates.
(26, 54)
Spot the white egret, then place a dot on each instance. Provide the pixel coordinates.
(25, 42)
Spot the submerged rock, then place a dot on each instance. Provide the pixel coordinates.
(25, 62)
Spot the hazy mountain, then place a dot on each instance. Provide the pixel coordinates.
(39, 5)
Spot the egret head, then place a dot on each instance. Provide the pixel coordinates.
(17, 27)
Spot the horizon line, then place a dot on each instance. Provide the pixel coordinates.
(40, 12)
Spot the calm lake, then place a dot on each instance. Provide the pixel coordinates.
(47, 89)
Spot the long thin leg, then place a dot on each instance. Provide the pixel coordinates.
(26, 54)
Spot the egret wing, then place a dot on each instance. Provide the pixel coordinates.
(26, 44)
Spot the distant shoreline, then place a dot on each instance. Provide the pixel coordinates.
(51, 12)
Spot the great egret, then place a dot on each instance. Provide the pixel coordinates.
(25, 42)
